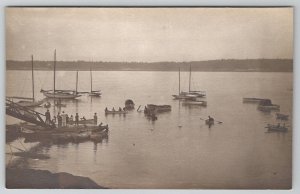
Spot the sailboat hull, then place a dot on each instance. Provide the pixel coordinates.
(61, 95)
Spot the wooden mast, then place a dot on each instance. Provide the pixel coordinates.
(54, 71)
(179, 83)
(91, 80)
(190, 78)
(32, 77)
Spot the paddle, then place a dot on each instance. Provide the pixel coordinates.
(219, 122)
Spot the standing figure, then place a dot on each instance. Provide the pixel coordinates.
(48, 117)
(95, 119)
(76, 119)
(59, 120)
(64, 119)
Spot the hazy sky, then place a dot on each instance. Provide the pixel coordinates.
(149, 34)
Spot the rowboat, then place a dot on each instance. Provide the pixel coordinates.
(157, 108)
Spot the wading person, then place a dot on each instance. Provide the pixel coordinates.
(76, 119)
(64, 119)
(95, 119)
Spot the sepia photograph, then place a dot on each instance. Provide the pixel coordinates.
(149, 97)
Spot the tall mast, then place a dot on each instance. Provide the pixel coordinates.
(91, 80)
(179, 83)
(76, 81)
(190, 78)
(54, 70)
(32, 77)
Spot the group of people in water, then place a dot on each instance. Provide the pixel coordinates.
(64, 120)
(113, 109)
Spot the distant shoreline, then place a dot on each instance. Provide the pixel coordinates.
(228, 65)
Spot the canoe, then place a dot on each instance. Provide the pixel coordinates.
(192, 102)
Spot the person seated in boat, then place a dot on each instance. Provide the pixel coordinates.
(83, 118)
(106, 109)
(210, 119)
(120, 109)
(124, 108)
(113, 109)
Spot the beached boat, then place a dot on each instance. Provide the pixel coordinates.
(115, 111)
(266, 105)
(61, 94)
(280, 116)
(276, 128)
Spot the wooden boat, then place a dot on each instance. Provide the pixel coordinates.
(282, 116)
(190, 93)
(61, 94)
(115, 112)
(28, 102)
(276, 128)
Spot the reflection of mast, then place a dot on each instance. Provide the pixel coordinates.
(32, 77)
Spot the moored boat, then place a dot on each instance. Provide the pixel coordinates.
(152, 108)
(82, 122)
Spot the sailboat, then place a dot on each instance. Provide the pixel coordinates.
(96, 93)
(61, 94)
(28, 102)
(191, 93)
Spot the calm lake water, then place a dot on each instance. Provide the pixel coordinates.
(143, 154)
